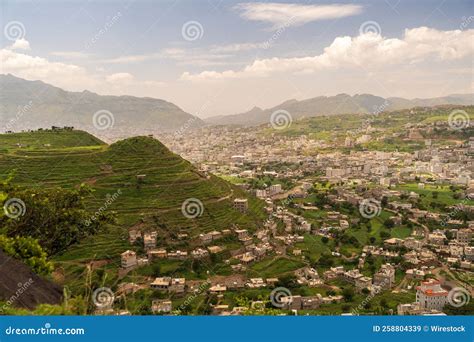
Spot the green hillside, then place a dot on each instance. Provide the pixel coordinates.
(152, 201)
(47, 139)
(390, 128)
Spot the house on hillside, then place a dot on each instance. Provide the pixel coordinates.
(128, 259)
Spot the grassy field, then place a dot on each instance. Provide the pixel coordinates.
(274, 267)
(313, 247)
(444, 195)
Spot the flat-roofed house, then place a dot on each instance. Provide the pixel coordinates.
(431, 295)
(128, 259)
(161, 283)
(161, 306)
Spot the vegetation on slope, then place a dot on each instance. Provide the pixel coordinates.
(137, 179)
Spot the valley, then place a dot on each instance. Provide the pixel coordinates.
(316, 211)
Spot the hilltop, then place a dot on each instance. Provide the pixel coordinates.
(138, 178)
(35, 104)
(45, 138)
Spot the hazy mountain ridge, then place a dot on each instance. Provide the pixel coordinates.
(338, 104)
(34, 104)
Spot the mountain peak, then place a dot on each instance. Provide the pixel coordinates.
(143, 144)
(64, 108)
(332, 105)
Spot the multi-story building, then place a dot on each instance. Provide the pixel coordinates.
(149, 241)
(431, 295)
(385, 277)
(128, 259)
(275, 189)
(469, 252)
(241, 205)
(464, 236)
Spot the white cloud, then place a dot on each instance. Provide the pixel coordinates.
(20, 44)
(70, 54)
(196, 57)
(38, 68)
(69, 76)
(281, 14)
(236, 47)
(121, 77)
(132, 58)
(213, 55)
(369, 50)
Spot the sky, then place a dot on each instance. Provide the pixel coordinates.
(216, 57)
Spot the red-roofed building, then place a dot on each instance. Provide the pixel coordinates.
(431, 295)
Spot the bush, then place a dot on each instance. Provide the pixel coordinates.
(29, 251)
(56, 217)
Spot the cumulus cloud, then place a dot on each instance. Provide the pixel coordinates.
(281, 14)
(38, 68)
(369, 50)
(20, 44)
(66, 75)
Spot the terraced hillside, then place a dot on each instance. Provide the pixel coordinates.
(138, 178)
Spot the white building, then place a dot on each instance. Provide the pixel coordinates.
(275, 189)
(241, 204)
(431, 295)
(128, 259)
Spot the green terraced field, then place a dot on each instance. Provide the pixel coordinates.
(76, 158)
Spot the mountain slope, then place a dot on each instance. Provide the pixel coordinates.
(34, 104)
(333, 105)
(140, 180)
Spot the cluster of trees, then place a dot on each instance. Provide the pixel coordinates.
(29, 251)
(57, 217)
(49, 221)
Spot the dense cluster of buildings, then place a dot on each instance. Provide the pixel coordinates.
(439, 241)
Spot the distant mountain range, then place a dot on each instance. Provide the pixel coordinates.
(35, 104)
(339, 104)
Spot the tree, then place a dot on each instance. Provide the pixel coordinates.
(326, 260)
(156, 269)
(263, 308)
(29, 251)
(56, 217)
(389, 223)
(287, 281)
(348, 294)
